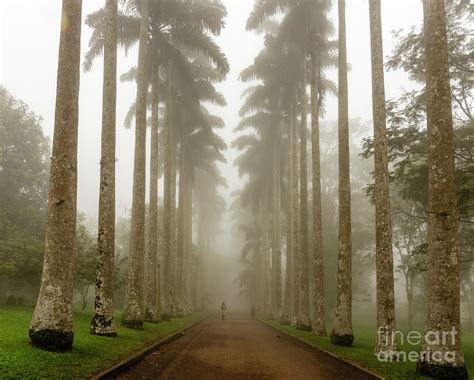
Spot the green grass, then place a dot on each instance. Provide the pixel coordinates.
(362, 351)
(90, 354)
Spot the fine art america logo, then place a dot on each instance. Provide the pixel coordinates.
(437, 346)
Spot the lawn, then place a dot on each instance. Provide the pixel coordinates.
(90, 354)
(362, 351)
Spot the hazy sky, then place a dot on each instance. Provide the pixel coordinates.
(29, 36)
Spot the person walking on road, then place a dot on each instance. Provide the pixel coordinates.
(223, 309)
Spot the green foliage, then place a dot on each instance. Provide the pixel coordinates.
(24, 166)
(90, 355)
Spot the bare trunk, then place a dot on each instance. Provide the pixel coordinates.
(443, 288)
(266, 250)
(174, 257)
(385, 345)
(342, 331)
(296, 217)
(181, 230)
(167, 208)
(276, 252)
(133, 314)
(188, 239)
(52, 323)
(288, 301)
(304, 322)
(318, 325)
(103, 321)
(152, 309)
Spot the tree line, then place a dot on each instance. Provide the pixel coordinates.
(300, 48)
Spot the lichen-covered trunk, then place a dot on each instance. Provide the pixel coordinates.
(303, 322)
(188, 248)
(133, 314)
(266, 250)
(152, 307)
(385, 344)
(167, 208)
(52, 323)
(276, 252)
(296, 216)
(318, 323)
(288, 300)
(103, 321)
(173, 253)
(443, 287)
(342, 331)
(181, 243)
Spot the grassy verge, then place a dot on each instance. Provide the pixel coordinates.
(362, 352)
(90, 354)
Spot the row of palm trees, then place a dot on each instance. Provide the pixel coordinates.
(299, 48)
(178, 65)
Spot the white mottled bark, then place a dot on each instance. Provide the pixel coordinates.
(383, 253)
(342, 330)
(318, 324)
(52, 323)
(152, 308)
(443, 288)
(133, 314)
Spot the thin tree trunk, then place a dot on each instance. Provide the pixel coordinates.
(342, 331)
(152, 309)
(52, 323)
(443, 285)
(174, 256)
(167, 207)
(471, 304)
(288, 301)
(386, 327)
(266, 249)
(276, 252)
(188, 239)
(304, 322)
(133, 314)
(103, 321)
(181, 229)
(296, 217)
(318, 325)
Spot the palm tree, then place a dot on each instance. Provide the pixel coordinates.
(152, 305)
(52, 323)
(443, 308)
(103, 321)
(133, 314)
(384, 256)
(341, 334)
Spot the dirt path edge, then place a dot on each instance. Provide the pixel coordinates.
(132, 360)
(353, 365)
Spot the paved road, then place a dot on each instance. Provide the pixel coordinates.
(239, 348)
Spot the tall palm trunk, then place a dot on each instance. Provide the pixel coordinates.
(181, 243)
(174, 256)
(318, 325)
(443, 308)
(133, 315)
(167, 207)
(288, 301)
(188, 249)
(296, 216)
(266, 249)
(383, 242)
(152, 309)
(342, 331)
(304, 322)
(276, 252)
(51, 326)
(103, 321)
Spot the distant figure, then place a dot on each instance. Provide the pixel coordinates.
(223, 309)
(252, 310)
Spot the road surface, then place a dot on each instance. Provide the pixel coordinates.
(239, 348)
